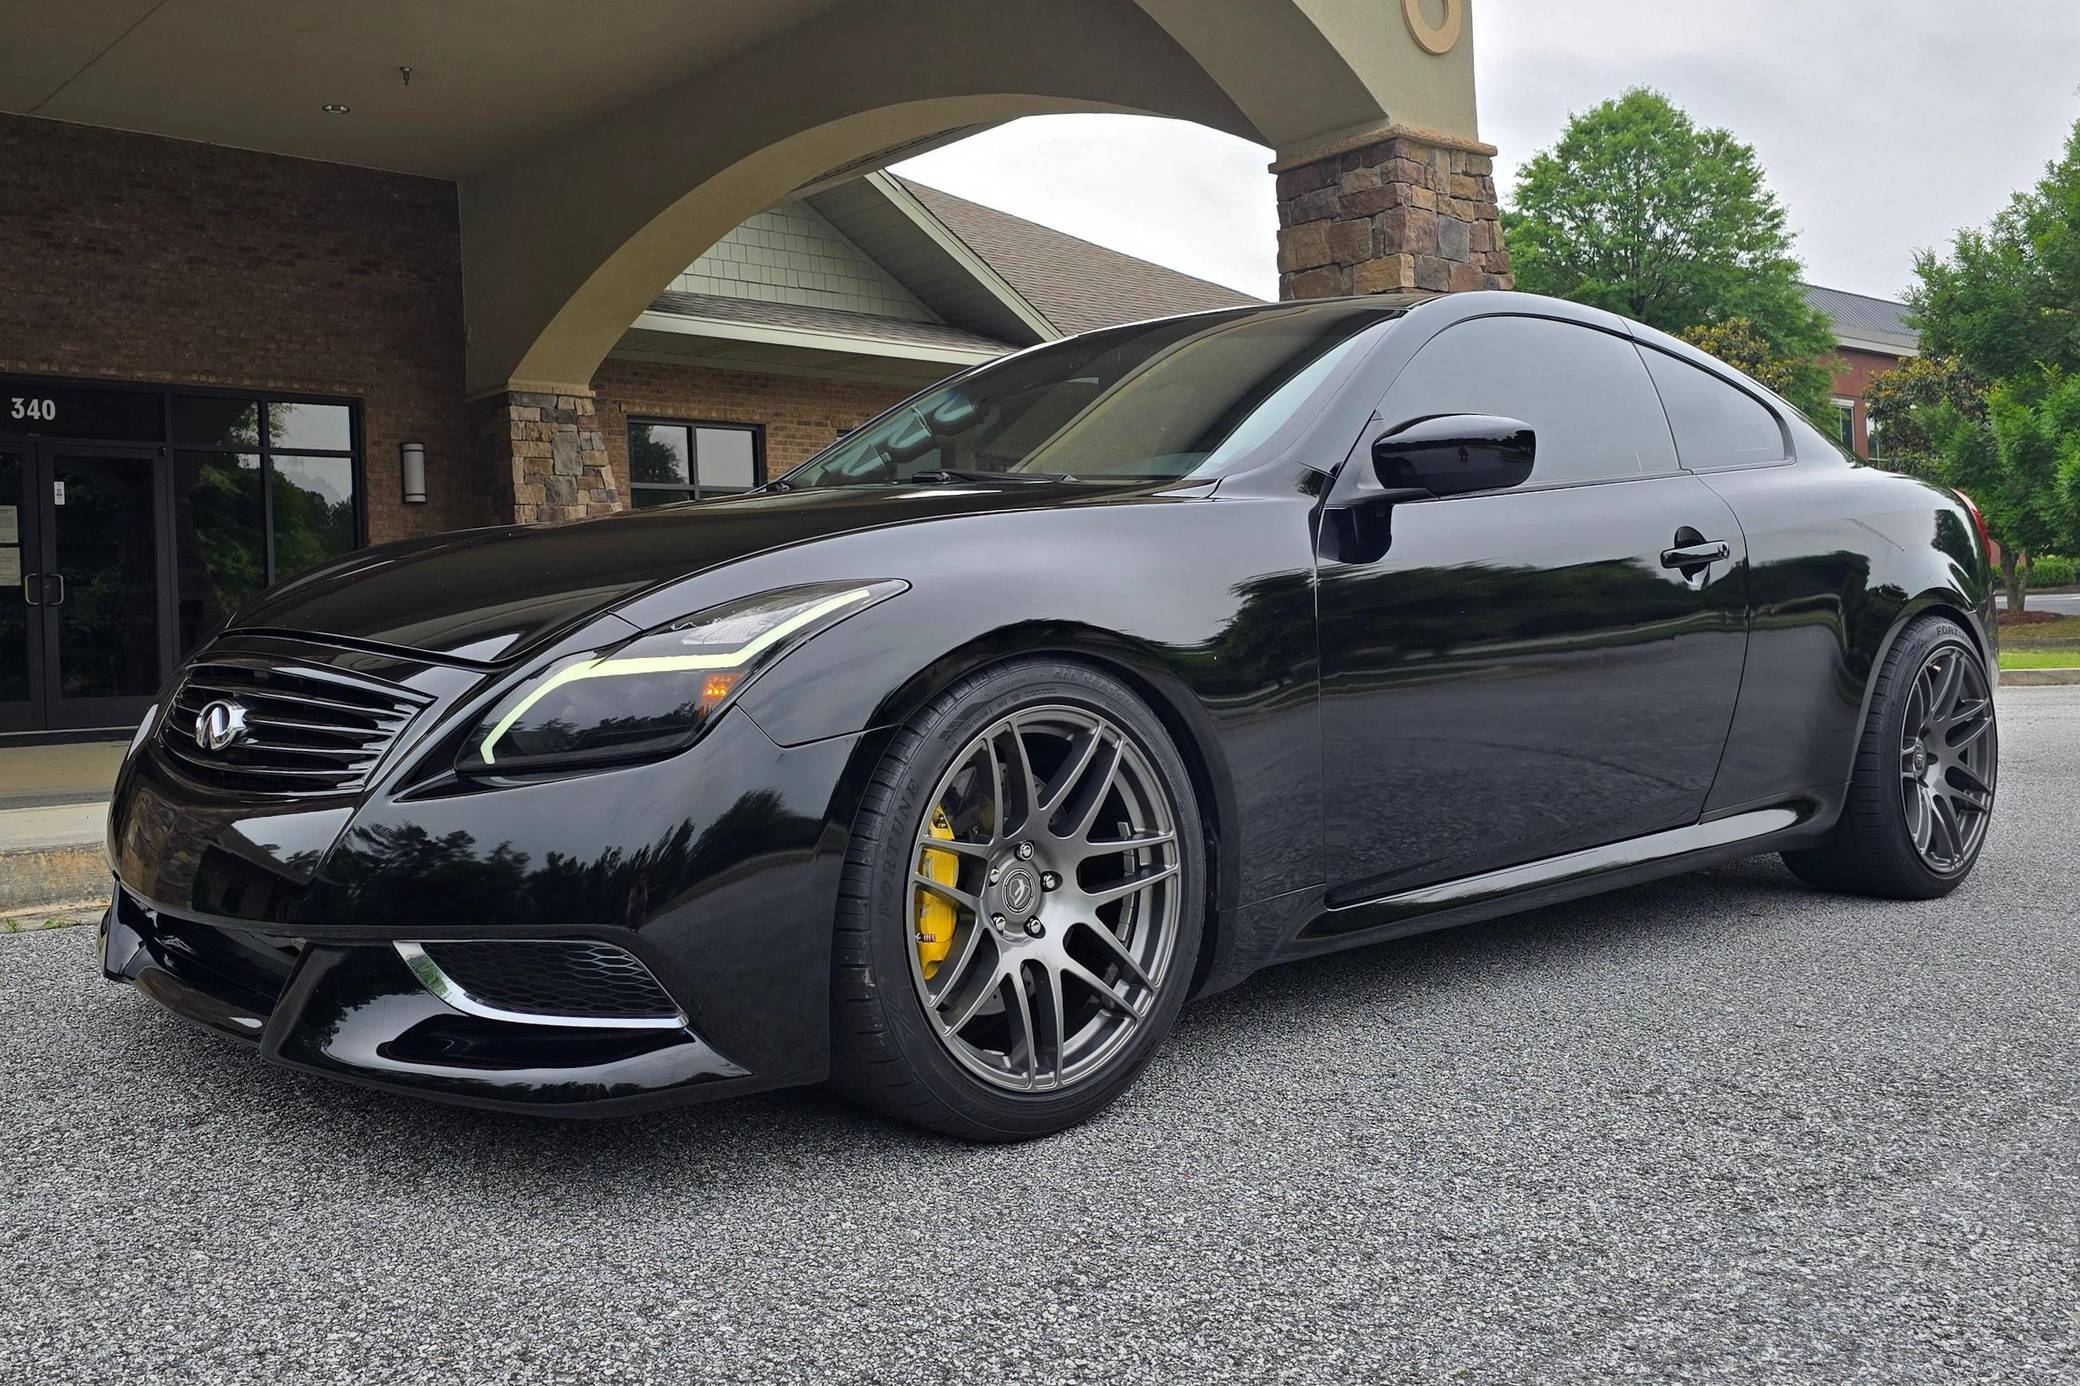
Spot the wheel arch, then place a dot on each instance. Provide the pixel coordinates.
(1936, 601)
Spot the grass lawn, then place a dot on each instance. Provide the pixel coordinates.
(2052, 644)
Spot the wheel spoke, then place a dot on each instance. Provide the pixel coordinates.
(1097, 984)
(955, 966)
(955, 846)
(974, 1004)
(1058, 1021)
(1973, 780)
(1943, 697)
(1919, 817)
(1072, 770)
(1028, 782)
(1952, 839)
(1968, 728)
(1099, 790)
(1132, 842)
(1132, 885)
(946, 892)
(1120, 953)
(1016, 978)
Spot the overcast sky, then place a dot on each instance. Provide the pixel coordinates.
(1883, 125)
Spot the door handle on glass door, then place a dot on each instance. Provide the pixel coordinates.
(32, 583)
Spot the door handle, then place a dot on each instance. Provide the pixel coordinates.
(58, 578)
(1696, 555)
(32, 583)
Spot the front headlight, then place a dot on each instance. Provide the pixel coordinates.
(655, 693)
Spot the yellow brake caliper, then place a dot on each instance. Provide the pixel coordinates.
(935, 919)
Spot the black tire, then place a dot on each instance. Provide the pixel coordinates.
(1871, 849)
(886, 1053)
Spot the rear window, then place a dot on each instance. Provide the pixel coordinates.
(1716, 424)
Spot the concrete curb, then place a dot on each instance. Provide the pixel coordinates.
(51, 878)
(2038, 678)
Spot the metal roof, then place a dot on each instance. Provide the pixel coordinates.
(1861, 320)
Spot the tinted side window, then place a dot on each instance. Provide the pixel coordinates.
(1716, 425)
(1583, 392)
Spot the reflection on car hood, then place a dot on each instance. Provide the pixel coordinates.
(489, 594)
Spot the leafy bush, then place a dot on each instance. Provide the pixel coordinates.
(2051, 570)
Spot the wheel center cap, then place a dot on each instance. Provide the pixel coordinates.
(1921, 760)
(1018, 893)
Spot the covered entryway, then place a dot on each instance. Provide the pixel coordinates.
(133, 519)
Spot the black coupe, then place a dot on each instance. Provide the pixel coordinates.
(949, 765)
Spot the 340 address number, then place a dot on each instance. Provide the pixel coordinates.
(42, 410)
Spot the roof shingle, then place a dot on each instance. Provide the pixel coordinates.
(1072, 283)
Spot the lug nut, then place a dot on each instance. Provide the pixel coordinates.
(994, 872)
(1035, 929)
(1050, 881)
(998, 920)
(1025, 851)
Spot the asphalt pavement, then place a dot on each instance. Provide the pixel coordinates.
(1715, 1129)
(2059, 603)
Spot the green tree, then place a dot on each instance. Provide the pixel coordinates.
(1639, 211)
(2005, 304)
(1903, 404)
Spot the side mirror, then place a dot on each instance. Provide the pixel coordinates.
(1451, 454)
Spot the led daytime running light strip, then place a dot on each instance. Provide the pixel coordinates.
(612, 666)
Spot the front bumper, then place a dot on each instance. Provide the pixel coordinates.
(354, 1010)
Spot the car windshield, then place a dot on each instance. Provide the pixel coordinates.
(1180, 398)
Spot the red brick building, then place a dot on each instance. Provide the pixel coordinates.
(1872, 336)
(215, 361)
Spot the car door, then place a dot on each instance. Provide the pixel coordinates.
(1522, 673)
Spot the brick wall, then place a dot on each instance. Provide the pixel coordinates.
(1854, 369)
(130, 257)
(801, 414)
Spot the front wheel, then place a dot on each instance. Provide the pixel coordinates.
(1022, 906)
(1921, 794)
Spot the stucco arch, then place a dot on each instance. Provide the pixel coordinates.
(565, 245)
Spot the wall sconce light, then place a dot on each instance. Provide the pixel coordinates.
(411, 460)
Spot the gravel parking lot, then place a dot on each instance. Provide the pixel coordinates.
(1720, 1128)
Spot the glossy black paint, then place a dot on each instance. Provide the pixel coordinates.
(1399, 712)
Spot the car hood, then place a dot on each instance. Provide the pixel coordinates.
(488, 595)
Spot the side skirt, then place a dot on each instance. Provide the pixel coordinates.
(1745, 832)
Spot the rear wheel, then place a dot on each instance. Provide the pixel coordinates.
(1022, 906)
(1921, 795)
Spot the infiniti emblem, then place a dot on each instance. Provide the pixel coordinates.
(220, 724)
(1018, 891)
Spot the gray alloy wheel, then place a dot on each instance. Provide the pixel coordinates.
(1921, 789)
(1048, 855)
(1946, 755)
(1022, 905)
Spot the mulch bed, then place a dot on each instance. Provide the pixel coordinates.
(2026, 618)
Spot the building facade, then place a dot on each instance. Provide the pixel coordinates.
(217, 361)
(1872, 336)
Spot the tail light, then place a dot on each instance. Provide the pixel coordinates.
(1993, 550)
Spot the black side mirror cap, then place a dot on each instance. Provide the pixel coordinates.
(1452, 454)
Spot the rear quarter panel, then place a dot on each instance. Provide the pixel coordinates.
(1841, 557)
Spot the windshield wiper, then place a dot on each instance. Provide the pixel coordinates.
(939, 476)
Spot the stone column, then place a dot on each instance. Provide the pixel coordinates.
(1389, 210)
(540, 456)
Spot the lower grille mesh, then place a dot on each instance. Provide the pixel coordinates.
(580, 978)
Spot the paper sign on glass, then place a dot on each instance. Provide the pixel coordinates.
(10, 566)
(10, 525)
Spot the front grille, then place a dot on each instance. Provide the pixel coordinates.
(311, 729)
(577, 978)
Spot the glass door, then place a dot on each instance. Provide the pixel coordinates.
(21, 581)
(103, 627)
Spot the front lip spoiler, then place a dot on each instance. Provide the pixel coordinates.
(355, 1012)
